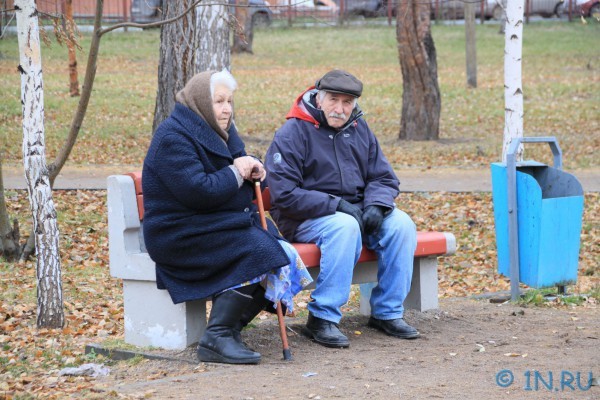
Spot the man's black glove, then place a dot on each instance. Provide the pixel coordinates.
(348, 208)
(372, 219)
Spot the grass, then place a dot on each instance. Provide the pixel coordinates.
(560, 79)
(549, 296)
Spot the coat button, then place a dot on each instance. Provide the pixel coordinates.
(246, 209)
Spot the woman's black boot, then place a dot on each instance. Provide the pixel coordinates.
(259, 303)
(219, 344)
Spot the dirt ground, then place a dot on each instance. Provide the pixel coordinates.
(467, 350)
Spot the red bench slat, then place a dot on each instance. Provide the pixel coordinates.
(428, 243)
(137, 181)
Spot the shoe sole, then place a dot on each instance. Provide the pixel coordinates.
(207, 355)
(332, 345)
(400, 336)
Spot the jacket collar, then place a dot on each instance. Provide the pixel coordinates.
(205, 135)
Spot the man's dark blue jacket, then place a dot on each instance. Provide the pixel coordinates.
(311, 166)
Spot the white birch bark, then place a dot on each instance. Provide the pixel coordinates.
(513, 90)
(212, 31)
(50, 312)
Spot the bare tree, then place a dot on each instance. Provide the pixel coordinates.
(50, 311)
(421, 101)
(197, 42)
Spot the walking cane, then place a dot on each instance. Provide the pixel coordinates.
(287, 355)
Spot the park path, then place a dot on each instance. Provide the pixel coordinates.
(449, 179)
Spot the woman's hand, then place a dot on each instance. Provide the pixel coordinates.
(246, 164)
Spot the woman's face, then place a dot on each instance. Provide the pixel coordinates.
(222, 105)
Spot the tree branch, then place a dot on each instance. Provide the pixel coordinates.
(88, 82)
(153, 24)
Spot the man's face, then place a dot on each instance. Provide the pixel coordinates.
(337, 108)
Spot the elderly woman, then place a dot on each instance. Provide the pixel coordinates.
(201, 227)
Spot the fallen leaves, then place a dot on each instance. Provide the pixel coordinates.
(515, 355)
(30, 358)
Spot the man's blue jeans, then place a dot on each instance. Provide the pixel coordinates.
(338, 236)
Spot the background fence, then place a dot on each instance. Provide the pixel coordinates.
(297, 12)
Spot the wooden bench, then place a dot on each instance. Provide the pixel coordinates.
(151, 318)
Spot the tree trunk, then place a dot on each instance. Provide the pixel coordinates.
(9, 235)
(244, 31)
(421, 101)
(212, 31)
(70, 30)
(513, 90)
(49, 291)
(471, 48)
(197, 42)
(177, 57)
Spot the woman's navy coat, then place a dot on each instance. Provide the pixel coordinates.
(202, 231)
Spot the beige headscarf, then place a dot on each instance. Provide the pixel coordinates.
(196, 96)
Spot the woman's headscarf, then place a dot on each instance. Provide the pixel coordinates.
(196, 96)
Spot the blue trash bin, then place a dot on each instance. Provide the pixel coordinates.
(549, 211)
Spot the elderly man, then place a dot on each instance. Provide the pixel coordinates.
(331, 185)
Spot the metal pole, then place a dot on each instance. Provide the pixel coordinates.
(513, 224)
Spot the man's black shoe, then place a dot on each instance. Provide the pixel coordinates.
(394, 327)
(324, 332)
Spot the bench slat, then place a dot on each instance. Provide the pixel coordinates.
(137, 181)
(428, 243)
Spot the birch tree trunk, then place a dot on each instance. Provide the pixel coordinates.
(513, 91)
(50, 311)
(177, 57)
(212, 31)
(421, 101)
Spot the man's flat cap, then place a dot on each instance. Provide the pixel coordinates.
(339, 81)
